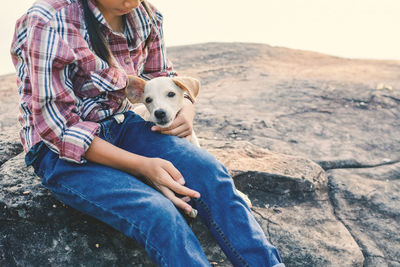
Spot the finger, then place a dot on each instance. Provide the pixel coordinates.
(175, 200)
(155, 128)
(183, 190)
(179, 120)
(185, 134)
(175, 123)
(174, 173)
(189, 137)
(178, 130)
(186, 199)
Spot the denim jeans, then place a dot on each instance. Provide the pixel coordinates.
(143, 213)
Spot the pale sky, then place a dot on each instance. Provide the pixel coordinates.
(346, 28)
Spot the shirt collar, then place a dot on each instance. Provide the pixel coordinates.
(138, 26)
(97, 13)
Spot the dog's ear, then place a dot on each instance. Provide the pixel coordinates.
(191, 85)
(135, 89)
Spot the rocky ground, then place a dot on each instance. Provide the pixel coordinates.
(312, 139)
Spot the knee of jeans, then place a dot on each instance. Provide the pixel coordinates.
(163, 214)
(163, 224)
(208, 170)
(203, 160)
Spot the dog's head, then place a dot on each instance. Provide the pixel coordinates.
(162, 96)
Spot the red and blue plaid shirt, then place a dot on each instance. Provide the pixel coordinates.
(64, 87)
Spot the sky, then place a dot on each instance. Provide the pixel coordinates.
(345, 28)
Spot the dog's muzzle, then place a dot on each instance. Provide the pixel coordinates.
(161, 117)
(160, 114)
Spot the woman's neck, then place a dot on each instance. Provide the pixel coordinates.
(116, 22)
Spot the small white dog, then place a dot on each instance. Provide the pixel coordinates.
(163, 98)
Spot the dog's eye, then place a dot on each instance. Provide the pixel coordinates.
(148, 100)
(171, 94)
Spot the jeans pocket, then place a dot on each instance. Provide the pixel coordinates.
(106, 129)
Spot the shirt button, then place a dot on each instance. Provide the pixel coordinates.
(115, 80)
(127, 60)
(119, 101)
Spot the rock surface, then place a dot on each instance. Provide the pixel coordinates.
(271, 115)
(367, 202)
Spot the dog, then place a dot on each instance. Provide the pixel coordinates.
(163, 98)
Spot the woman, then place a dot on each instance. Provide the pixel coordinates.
(74, 58)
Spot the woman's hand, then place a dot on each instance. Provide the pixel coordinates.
(161, 173)
(167, 179)
(182, 126)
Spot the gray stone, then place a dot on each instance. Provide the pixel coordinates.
(291, 202)
(9, 103)
(38, 230)
(269, 113)
(288, 194)
(10, 144)
(367, 201)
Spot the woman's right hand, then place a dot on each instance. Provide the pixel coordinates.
(167, 179)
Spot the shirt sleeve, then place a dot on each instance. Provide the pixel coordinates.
(157, 64)
(54, 104)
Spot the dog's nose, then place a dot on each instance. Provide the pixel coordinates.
(160, 114)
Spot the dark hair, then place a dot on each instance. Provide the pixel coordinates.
(96, 35)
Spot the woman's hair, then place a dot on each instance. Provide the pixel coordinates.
(96, 36)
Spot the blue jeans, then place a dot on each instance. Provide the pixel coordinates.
(141, 212)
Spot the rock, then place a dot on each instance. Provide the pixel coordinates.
(296, 175)
(37, 230)
(295, 102)
(280, 179)
(9, 103)
(291, 202)
(270, 114)
(10, 144)
(367, 201)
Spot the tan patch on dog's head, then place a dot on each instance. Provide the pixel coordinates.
(135, 89)
(190, 85)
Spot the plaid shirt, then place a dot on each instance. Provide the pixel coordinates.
(65, 89)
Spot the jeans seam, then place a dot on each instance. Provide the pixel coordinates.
(220, 232)
(120, 217)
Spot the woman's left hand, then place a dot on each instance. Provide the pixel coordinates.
(182, 126)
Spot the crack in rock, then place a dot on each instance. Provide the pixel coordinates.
(352, 164)
(334, 205)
